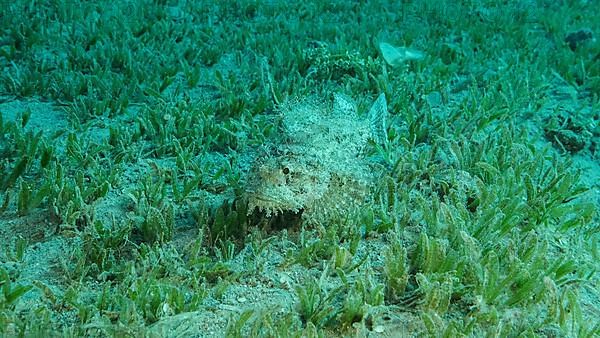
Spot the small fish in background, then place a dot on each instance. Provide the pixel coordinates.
(396, 56)
(320, 169)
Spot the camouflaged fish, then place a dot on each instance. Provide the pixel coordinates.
(320, 169)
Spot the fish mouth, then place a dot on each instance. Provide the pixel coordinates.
(271, 205)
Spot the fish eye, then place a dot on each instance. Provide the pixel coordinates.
(286, 170)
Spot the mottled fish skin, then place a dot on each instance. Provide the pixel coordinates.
(319, 169)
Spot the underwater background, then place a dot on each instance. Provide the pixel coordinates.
(299, 168)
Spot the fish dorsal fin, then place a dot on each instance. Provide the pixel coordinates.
(377, 117)
(343, 105)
